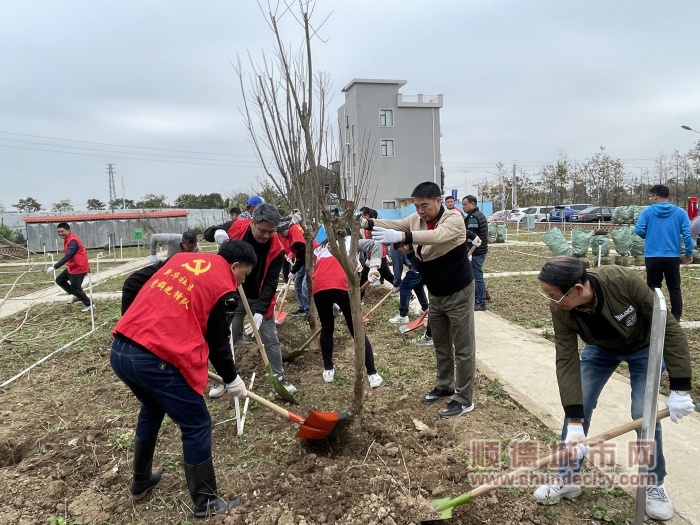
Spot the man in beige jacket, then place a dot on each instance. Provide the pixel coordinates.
(439, 238)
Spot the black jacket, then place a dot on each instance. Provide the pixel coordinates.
(476, 224)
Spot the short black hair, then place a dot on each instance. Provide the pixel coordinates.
(238, 251)
(470, 198)
(267, 212)
(563, 271)
(189, 238)
(365, 210)
(660, 191)
(373, 214)
(428, 190)
(235, 210)
(63, 225)
(450, 197)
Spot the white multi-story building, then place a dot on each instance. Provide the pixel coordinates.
(400, 136)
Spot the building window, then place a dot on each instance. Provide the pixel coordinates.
(386, 147)
(386, 118)
(388, 205)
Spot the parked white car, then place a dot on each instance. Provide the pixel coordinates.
(540, 213)
(516, 215)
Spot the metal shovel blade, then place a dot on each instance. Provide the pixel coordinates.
(320, 425)
(280, 317)
(278, 387)
(416, 323)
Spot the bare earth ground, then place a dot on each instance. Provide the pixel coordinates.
(67, 431)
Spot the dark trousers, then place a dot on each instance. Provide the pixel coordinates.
(324, 305)
(161, 389)
(669, 268)
(72, 283)
(385, 271)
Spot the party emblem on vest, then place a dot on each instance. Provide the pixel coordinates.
(631, 320)
(199, 266)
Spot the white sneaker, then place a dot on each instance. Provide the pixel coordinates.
(659, 507)
(336, 310)
(217, 390)
(286, 384)
(399, 319)
(329, 375)
(72, 299)
(87, 308)
(552, 493)
(375, 380)
(425, 341)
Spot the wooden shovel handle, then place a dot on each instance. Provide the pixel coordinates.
(261, 347)
(561, 454)
(265, 402)
(379, 303)
(284, 295)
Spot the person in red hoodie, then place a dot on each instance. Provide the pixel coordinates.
(77, 266)
(331, 287)
(161, 345)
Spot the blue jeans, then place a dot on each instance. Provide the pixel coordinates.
(301, 289)
(161, 389)
(480, 285)
(413, 281)
(597, 365)
(397, 265)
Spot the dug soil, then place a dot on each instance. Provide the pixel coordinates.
(67, 434)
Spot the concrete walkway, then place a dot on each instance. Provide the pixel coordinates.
(525, 364)
(54, 293)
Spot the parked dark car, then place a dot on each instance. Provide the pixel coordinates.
(593, 214)
(564, 211)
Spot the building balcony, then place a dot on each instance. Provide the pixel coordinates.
(418, 101)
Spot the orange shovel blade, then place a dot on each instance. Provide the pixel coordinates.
(320, 425)
(280, 317)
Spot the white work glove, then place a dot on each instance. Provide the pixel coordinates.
(154, 258)
(363, 223)
(679, 404)
(574, 436)
(469, 256)
(248, 328)
(476, 241)
(50, 269)
(374, 276)
(220, 236)
(236, 387)
(386, 235)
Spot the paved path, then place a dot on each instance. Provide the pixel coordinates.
(54, 293)
(525, 364)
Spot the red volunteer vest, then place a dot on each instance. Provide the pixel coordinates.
(295, 235)
(238, 230)
(169, 315)
(79, 262)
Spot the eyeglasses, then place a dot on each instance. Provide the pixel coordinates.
(558, 300)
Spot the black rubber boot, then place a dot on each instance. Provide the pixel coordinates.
(201, 482)
(145, 479)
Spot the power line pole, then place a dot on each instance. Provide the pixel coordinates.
(112, 190)
(514, 193)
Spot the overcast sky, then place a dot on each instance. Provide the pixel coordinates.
(522, 81)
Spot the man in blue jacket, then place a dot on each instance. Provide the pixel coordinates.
(662, 224)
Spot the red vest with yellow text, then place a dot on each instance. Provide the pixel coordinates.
(79, 262)
(238, 230)
(170, 314)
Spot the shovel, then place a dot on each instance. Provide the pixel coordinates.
(305, 347)
(271, 376)
(416, 323)
(444, 506)
(281, 315)
(317, 425)
(366, 317)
